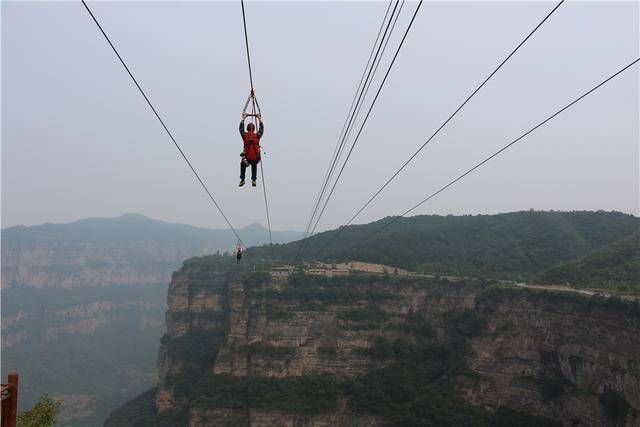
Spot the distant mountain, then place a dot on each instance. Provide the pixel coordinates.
(74, 296)
(615, 266)
(510, 245)
(135, 227)
(130, 249)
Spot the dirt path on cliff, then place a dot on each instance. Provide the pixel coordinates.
(587, 292)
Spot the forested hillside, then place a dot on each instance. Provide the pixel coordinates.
(615, 266)
(511, 245)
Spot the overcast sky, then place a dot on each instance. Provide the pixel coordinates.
(78, 140)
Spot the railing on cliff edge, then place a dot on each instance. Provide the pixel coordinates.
(9, 396)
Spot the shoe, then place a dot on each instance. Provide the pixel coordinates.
(253, 183)
(241, 183)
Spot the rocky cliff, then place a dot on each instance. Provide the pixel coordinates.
(127, 250)
(74, 294)
(377, 350)
(69, 344)
(71, 264)
(558, 355)
(44, 316)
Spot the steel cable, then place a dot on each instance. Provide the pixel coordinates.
(146, 98)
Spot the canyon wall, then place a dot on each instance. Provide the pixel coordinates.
(72, 264)
(74, 295)
(388, 350)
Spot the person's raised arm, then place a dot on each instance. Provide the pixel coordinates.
(244, 116)
(261, 127)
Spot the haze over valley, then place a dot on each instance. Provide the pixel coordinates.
(312, 214)
(75, 295)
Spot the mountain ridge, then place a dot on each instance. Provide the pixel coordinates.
(128, 221)
(614, 266)
(514, 245)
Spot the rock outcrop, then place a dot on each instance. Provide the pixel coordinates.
(556, 355)
(309, 351)
(71, 264)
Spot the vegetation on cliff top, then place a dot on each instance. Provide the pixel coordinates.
(202, 269)
(495, 293)
(511, 245)
(615, 266)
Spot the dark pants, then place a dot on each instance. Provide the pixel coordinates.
(254, 169)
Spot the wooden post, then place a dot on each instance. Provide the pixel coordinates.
(13, 406)
(3, 411)
(10, 404)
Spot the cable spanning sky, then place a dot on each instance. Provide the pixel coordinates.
(78, 140)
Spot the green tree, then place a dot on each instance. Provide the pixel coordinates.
(43, 414)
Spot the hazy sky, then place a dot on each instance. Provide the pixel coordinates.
(78, 140)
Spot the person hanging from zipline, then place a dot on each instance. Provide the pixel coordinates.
(251, 152)
(238, 252)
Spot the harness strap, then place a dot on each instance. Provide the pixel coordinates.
(252, 96)
(246, 104)
(257, 105)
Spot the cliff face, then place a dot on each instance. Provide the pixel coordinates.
(128, 250)
(71, 264)
(557, 356)
(47, 326)
(62, 280)
(69, 344)
(383, 350)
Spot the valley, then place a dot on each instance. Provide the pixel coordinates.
(83, 306)
(74, 296)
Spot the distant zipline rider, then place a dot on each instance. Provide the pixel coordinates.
(238, 252)
(251, 139)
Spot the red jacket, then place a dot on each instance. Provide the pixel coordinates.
(251, 141)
